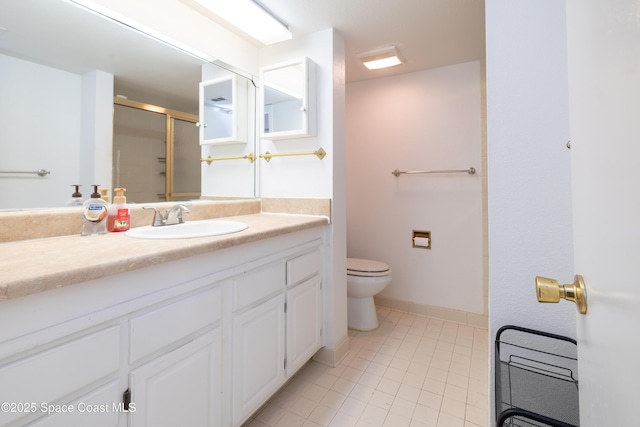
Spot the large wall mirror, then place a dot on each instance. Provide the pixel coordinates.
(60, 69)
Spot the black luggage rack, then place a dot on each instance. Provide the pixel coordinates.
(536, 379)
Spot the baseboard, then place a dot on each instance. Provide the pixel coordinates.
(457, 316)
(333, 356)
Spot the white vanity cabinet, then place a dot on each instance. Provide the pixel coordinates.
(182, 386)
(304, 309)
(79, 365)
(277, 327)
(201, 341)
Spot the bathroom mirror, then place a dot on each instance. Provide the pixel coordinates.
(44, 125)
(288, 100)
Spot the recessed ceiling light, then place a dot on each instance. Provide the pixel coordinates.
(384, 57)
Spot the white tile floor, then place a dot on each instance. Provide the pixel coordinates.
(412, 371)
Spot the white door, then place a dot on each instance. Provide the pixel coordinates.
(604, 90)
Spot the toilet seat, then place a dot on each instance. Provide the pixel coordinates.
(367, 268)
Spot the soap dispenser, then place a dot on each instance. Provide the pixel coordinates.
(118, 218)
(76, 197)
(94, 215)
(104, 194)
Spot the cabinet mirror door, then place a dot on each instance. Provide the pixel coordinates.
(223, 111)
(288, 100)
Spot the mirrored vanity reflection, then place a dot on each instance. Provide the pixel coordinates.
(61, 67)
(288, 100)
(223, 110)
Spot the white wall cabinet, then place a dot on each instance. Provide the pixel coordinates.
(187, 343)
(224, 110)
(288, 100)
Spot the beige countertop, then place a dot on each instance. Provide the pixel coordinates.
(31, 266)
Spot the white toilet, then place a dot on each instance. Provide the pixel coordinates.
(365, 278)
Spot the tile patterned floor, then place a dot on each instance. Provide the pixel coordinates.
(412, 371)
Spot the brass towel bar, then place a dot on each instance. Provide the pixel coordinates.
(39, 172)
(251, 157)
(470, 171)
(319, 153)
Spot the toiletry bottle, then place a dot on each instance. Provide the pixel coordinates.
(104, 194)
(94, 215)
(119, 218)
(76, 197)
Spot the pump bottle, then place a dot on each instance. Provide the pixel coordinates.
(94, 215)
(76, 197)
(119, 217)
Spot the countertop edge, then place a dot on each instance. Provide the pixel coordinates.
(79, 259)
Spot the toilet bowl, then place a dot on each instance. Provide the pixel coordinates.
(365, 278)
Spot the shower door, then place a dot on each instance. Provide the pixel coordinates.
(156, 153)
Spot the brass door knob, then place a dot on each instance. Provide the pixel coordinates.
(548, 290)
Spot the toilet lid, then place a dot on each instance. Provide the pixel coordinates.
(366, 267)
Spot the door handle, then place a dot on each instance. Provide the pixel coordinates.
(548, 290)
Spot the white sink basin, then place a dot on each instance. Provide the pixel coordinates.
(187, 230)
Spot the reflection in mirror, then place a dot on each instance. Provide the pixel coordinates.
(223, 110)
(156, 155)
(60, 67)
(288, 100)
(228, 171)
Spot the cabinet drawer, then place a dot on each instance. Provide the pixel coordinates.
(303, 267)
(258, 284)
(98, 408)
(161, 327)
(53, 374)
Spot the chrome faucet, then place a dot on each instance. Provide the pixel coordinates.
(171, 217)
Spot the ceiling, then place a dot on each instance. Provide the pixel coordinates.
(428, 33)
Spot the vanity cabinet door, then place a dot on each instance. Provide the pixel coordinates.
(52, 375)
(304, 323)
(181, 388)
(258, 356)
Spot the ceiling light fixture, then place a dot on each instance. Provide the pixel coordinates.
(140, 28)
(384, 57)
(250, 17)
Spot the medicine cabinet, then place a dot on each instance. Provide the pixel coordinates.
(288, 100)
(224, 111)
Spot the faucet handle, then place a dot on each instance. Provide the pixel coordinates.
(174, 215)
(182, 209)
(157, 216)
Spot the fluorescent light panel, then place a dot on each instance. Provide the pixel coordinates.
(381, 58)
(143, 29)
(251, 18)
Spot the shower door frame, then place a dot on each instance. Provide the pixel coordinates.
(170, 117)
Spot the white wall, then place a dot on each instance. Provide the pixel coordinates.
(309, 177)
(529, 189)
(303, 177)
(96, 143)
(426, 120)
(47, 138)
